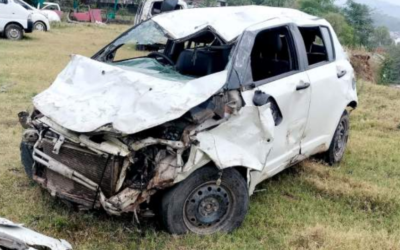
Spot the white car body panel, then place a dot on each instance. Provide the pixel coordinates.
(48, 5)
(83, 99)
(245, 139)
(13, 12)
(51, 15)
(15, 236)
(50, 9)
(37, 15)
(234, 21)
(145, 8)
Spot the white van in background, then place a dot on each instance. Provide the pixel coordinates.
(14, 20)
(149, 8)
(41, 20)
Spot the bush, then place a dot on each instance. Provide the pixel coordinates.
(390, 73)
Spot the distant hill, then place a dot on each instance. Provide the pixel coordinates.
(385, 12)
(392, 23)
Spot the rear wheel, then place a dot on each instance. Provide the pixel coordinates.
(14, 32)
(200, 206)
(339, 142)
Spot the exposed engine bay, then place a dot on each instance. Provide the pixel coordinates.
(115, 171)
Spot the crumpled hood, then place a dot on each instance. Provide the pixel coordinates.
(89, 94)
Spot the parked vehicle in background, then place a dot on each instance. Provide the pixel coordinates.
(49, 9)
(86, 14)
(14, 20)
(189, 111)
(150, 8)
(40, 20)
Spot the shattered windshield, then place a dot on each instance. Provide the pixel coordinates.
(148, 49)
(144, 34)
(153, 68)
(137, 42)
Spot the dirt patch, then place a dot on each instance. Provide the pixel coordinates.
(366, 65)
(362, 66)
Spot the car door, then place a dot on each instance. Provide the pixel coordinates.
(275, 68)
(5, 14)
(10, 11)
(330, 86)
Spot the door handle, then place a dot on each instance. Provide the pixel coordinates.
(341, 73)
(303, 85)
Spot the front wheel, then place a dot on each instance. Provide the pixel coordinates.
(339, 142)
(40, 26)
(200, 206)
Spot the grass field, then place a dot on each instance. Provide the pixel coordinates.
(311, 206)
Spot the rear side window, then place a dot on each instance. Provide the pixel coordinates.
(318, 43)
(3, 1)
(273, 54)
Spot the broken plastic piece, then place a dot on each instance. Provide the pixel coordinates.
(15, 236)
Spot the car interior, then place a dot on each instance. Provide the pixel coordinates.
(202, 56)
(199, 56)
(315, 47)
(272, 54)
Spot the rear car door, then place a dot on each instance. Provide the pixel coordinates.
(329, 80)
(275, 69)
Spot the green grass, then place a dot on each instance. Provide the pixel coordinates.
(310, 206)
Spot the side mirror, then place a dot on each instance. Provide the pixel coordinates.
(168, 5)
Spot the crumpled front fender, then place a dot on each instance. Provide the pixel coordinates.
(244, 140)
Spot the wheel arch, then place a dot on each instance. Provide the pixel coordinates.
(352, 104)
(16, 23)
(243, 171)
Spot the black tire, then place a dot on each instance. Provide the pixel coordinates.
(14, 32)
(199, 206)
(40, 26)
(339, 142)
(26, 158)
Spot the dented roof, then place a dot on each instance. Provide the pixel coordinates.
(227, 22)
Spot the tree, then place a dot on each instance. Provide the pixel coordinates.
(279, 3)
(273, 3)
(381, 38)
(359, 17)
(318, 7)
(239, 2)
(343, 30)
(390, 73)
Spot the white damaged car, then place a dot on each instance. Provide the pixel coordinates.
(191, 110)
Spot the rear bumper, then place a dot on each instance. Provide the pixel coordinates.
(30, 27)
